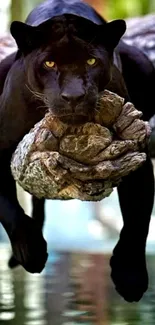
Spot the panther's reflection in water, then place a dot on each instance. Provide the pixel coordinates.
(74, 288)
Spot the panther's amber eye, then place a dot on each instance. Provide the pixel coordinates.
(91, 61)
(50, 64)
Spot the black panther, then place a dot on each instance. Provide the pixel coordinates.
(67, 54)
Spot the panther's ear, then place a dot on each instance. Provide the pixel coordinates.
(26, 36)
(112, 32)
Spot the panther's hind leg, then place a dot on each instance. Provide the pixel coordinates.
(136, 196)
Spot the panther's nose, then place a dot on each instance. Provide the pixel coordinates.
(74, 98)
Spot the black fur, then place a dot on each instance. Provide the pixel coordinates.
(73, 85)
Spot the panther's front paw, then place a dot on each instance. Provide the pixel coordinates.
(129, 275)
(28, 245)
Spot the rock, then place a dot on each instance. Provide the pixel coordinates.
(127, 116)
(91, 139)
(58, 161)
(108, 108)
(115, 149)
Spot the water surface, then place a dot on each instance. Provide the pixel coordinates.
(74, 288)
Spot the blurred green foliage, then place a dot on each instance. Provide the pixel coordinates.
(20, 9)
(129, 8)
(115, 8)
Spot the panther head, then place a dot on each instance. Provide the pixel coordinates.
(68, 62)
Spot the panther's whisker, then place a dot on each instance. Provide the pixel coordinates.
(96, 110)
(41, 106)
(36, 94)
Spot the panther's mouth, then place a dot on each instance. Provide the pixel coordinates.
(73, 119)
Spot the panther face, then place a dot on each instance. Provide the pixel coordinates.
(68, 62)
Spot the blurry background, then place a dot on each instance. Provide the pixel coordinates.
(110, 9)
(73, 226)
